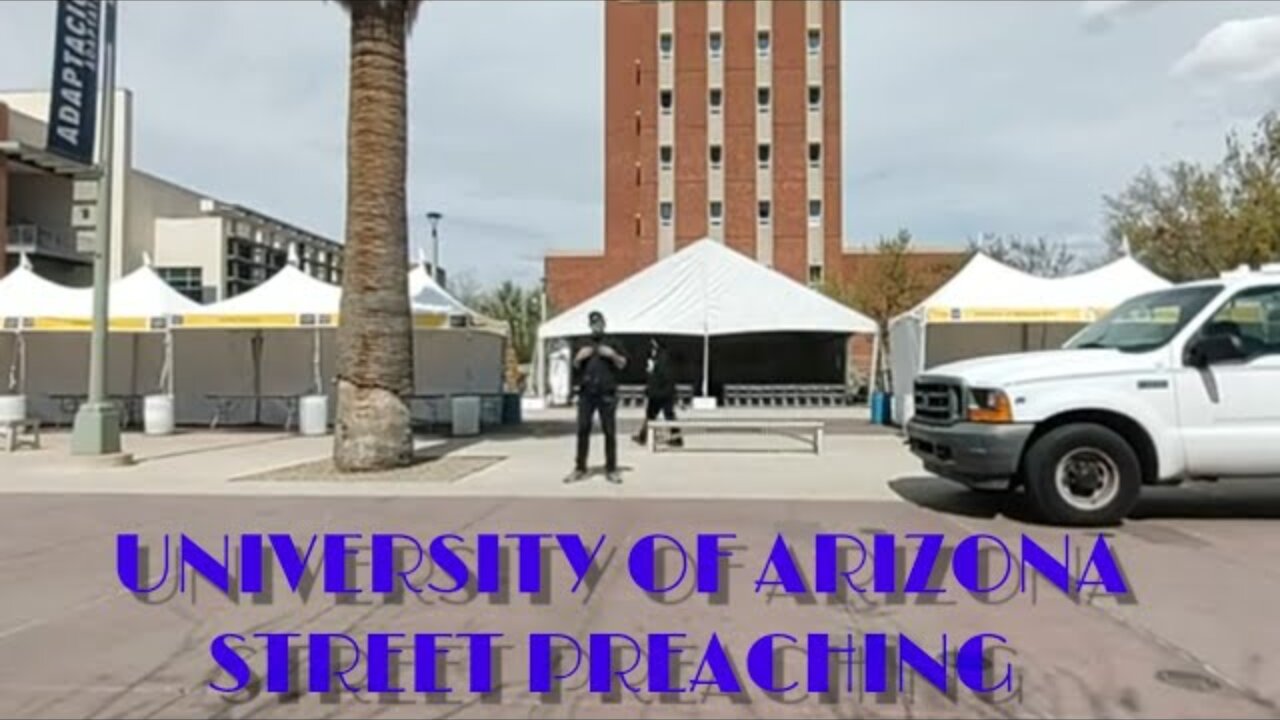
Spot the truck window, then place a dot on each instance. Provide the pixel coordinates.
(1253, 315)
(1146, 322)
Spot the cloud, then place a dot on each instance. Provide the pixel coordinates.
(1102, 14)
(1236, 52)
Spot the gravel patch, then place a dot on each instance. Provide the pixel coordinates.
(428, 469)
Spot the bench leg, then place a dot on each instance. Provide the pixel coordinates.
(10, 440)
(35, 436)
(817, 441)
(653, 439)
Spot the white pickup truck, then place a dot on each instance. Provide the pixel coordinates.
(1179, 384)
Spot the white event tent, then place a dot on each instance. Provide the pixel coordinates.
(455, 348)
(53, 326)
(989, 308)
(707, 290)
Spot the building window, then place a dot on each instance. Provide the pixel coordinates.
(187, 280)
(665, 41)
(639, 176)
(764, 211)
(665, 212)
(762, 98)
(815, 274)
(715, 152)
(666, 99)
(637, 72)
(715, 96)
(815, 40)
(638, 225)
(637, 123)
(664, 156)
(763, 154)
(715, 41)
(715, 211)
(815, 97)
(762, 42)
(815, 212)
(815, 154)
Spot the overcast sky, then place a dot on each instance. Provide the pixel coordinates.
(959, 117)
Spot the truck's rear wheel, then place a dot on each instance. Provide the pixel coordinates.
(1082, 474)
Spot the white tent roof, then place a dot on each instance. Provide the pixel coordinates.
(24, 294)
(1113, 283)
(143, 294)
(986, 290)
(426, 294)
(708, 288)
(290, 298)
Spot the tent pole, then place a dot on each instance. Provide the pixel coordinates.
(315, 361)
(168, 362)
(874, 378)
(706, 363)
(255, 345)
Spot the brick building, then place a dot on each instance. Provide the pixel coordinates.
(722, 119)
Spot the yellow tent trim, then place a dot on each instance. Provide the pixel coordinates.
(431, 320)
(269, 321)
(1012, 315)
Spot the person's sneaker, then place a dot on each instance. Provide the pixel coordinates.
(614, 477)
(575, 476)
(676, 442)
(637, 439)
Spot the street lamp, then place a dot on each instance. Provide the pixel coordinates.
(434, 217)
(97, 425)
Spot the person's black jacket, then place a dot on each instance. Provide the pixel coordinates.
(598, 375)
(661, 382)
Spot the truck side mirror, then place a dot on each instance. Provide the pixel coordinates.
(1213, 349)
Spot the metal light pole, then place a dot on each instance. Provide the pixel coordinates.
(97, 424)
(434, 218)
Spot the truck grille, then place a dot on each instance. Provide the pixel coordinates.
(937, 401)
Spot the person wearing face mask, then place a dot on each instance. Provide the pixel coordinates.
(597, 364)
(660, 393)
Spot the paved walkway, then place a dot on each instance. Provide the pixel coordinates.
(208, 463)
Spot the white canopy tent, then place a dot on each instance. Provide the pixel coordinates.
(708, 290)
(456, 349)
(53, 342)
(30, 303)
(989, 308)
(257, 345)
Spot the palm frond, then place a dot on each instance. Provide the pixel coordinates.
(411, 8)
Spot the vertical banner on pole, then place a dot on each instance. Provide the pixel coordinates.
(73, 102)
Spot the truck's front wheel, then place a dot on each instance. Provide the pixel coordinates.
(1082, 474)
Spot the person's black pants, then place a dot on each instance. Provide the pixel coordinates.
(607, 406)
(654, 406)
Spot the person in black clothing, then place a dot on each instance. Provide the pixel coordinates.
(597, 364)
(659, 391)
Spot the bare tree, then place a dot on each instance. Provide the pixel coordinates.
(1039, 256)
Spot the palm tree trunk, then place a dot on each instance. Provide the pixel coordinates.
(375, 335)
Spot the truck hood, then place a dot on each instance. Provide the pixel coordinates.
(1029, 367)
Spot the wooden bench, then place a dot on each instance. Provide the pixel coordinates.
(13, 430)
(809, 430)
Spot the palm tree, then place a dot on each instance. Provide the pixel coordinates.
(375, 334)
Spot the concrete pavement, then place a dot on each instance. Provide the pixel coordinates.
(1195, 638)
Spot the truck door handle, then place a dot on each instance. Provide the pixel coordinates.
(1153, 384)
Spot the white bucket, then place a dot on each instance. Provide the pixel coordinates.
(313, 415)
(465, 415)
(13, 407)
(157, 415)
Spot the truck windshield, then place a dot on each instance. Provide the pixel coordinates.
(1146, 322)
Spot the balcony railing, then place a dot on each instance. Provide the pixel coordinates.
(36, 240)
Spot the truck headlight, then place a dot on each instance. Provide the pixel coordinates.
(989, 406)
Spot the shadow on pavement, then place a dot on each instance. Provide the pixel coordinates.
(1238, 500)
